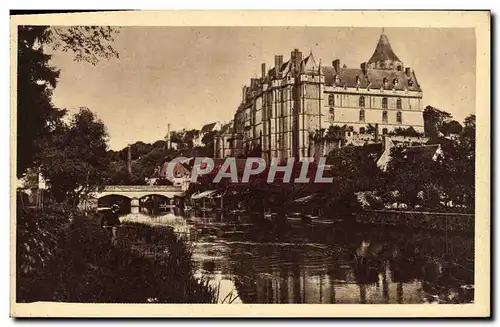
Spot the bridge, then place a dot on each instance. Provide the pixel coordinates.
(135, 192)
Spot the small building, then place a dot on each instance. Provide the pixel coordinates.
(207, 128)
(432, 151)
(223, 141)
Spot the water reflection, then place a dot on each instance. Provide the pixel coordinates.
(291, 262)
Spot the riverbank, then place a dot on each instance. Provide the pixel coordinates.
(66, 256)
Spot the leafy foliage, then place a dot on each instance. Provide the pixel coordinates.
(435, 184)
(408, 132)
(88, 43)
(74, 157)
(74, 260)
(433, 120)
(451, 127)
(36, 79)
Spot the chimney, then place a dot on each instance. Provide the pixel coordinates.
(244, 93)
(336, 65)
(296, 57)
(408, 71)
(263, 67)
(129, 160)
(169, 143)
(363, 68)
(278, 61)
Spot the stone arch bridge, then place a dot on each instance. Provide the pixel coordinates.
(135, 192)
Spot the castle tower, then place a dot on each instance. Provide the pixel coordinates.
(383, 57)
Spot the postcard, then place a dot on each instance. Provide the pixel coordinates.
(250, 164)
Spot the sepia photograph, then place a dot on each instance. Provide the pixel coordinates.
(165, 160)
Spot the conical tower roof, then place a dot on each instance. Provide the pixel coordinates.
(384, 54)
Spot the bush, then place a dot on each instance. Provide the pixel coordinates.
(145, 265)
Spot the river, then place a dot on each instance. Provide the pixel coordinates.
(254, 260)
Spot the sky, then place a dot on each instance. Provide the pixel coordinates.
(190, 76)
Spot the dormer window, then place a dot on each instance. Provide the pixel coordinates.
(385, 82)
(395, 82)
(410, 82)
(358, 80)
(337, 79)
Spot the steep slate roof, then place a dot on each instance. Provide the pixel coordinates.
(226, 129)
(368, 78)
(373, 78)
(308, 64)
(208, 128)
(383, 51)
(426, 151)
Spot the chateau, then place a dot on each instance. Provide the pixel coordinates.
(281, 111)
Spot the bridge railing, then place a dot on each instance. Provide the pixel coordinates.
(141, 188)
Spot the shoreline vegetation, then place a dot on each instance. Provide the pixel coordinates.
(65, 256)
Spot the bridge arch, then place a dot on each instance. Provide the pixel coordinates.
(135, 192)
(107, 200)
(154, 203)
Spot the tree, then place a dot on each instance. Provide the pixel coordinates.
(355, 168)
(74, 157)
(433, 119)
(410, 175)
(88, 43)
(208, 140)
(190, 136)
(371, 129)
(408, 132)
(451, 127)
(36, 79)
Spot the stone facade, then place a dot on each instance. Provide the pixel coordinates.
(223, 141)
(282, 110)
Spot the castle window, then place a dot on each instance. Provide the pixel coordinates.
(332, 114)
(399, 117)
(331, 100)
(362, 101)
(398, 103)
(384, 103)
(362, 115)
(384, 131)
(361, 130)
(384, 116)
